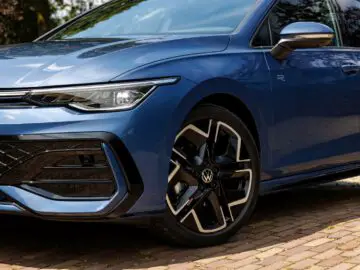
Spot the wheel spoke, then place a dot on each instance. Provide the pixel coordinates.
(215, 204)
(207, 213)
(235, 169)
(228, 143)
(191, 144)
(174, 169)
(196, 199)
(180, 157)
(223, 197)
(188, 201)
(210, 142)
(182, 185)
(180, 174)
(184, 201)
(237, 190)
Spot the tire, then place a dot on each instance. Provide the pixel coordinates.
(213, 181)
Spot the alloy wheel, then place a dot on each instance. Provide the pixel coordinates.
(210, 177)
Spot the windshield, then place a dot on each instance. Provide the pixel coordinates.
(158, 17)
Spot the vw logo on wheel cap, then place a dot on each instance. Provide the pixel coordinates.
(207, 176)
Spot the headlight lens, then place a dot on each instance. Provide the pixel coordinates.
(109, 97)
(112, 99)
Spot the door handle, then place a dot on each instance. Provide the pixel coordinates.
(350, 69)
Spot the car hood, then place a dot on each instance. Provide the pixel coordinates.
(56, 63)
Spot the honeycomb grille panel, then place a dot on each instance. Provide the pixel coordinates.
(74, 169)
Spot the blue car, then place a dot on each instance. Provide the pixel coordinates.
(179, 114)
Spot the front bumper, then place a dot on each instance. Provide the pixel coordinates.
(137, 144)
(59, 126)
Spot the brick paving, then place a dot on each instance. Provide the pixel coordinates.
(313, 228)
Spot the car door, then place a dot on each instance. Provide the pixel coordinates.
(349, 20)
(315, 103)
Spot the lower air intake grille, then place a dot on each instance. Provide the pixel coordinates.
(58, 169)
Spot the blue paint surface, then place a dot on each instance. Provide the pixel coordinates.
(306, 109)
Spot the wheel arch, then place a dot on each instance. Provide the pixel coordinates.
(237, 107)
(241, 99)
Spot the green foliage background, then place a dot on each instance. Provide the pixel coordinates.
(24, 20)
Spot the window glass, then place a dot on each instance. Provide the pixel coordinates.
(158, 17)
(290, 11)
(350, 12)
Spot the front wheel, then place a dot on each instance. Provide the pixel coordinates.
(213, 179)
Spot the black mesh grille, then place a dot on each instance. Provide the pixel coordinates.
(76, 169)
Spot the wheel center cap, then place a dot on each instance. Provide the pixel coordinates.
(207, 176)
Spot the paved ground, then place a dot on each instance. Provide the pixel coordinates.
(318, 228)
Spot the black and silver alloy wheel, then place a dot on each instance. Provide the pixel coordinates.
(213, 177)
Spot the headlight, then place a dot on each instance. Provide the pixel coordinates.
(106, 97)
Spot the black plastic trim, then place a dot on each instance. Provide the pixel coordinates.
(306, 180)
(132, 177)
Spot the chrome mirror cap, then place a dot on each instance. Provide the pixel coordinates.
(302, 35)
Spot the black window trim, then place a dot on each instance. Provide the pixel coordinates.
(258, 27)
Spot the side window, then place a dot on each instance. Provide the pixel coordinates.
(290, 11)
(350, 14)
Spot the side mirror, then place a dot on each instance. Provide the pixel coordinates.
(302, 35)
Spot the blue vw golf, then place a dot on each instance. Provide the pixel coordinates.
(179, 114)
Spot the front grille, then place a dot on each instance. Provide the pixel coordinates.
(57, 169)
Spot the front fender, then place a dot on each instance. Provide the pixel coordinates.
(167, 108)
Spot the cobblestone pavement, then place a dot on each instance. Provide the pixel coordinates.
(314, 227)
